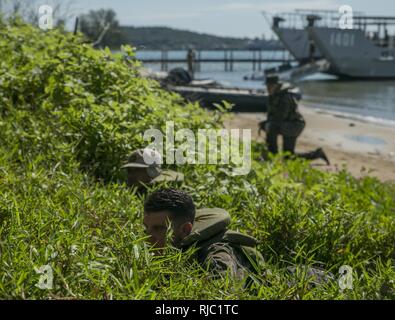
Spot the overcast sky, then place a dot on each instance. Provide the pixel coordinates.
(221, 17)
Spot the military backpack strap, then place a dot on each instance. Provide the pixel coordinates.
(291, 101)
(239, 239)
(246, 246)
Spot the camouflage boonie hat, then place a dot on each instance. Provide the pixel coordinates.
(152, 161)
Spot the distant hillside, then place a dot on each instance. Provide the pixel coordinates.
(164, 38)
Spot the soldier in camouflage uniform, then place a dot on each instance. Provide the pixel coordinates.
(218, 249)
(144, 169)
(285, 120)
(191, 57)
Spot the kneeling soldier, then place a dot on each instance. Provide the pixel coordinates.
(284, 119)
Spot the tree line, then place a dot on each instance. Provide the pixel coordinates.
(103, 29)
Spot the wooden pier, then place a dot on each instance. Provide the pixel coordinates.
(228, 60)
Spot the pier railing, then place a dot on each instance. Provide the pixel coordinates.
(228, 58)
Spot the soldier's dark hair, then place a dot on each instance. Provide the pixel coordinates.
(177, 202)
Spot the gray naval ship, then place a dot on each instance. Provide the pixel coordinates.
(314, 38)
(290, 28)
(358, 53)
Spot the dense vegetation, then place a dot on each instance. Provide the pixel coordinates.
(70, 115)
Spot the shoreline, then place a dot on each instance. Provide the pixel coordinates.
(352, 116)
(364, 148)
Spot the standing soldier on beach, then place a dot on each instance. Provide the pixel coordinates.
(191, 57)
(284, 119)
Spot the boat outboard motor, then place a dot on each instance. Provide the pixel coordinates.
(179, 76)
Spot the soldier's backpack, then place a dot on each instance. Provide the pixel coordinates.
(294, 124)
(211, 227)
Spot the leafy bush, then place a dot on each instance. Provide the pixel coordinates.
(70, 115)
(60, 93)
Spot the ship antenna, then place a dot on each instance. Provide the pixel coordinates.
(266, 16)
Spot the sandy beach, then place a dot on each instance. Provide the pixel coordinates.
(364, 148)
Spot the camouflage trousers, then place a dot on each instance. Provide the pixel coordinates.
(290, 131)
(289, 143)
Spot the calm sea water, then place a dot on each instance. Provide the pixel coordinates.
(371, 100)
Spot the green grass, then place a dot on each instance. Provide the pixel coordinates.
(69, 116)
